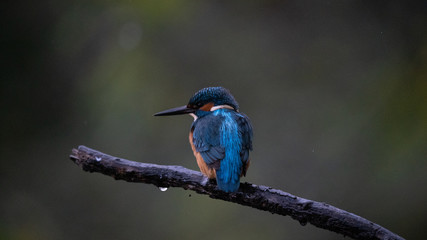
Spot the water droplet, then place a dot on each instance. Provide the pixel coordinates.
(163, 189)
(303, 222)
(98, 159)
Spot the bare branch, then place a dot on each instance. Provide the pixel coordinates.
(264, 198)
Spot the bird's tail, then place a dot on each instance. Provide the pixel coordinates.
(228, 175)
(227, 186)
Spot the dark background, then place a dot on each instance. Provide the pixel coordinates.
(336, 91)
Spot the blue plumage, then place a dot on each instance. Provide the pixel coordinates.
(228, 174)
(221, 136)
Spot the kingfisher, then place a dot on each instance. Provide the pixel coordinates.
(220, 135)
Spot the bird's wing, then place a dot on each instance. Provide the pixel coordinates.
(206, 140)
(245, 129)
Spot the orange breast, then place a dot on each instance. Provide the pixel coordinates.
(204, 168)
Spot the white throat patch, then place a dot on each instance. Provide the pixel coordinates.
(221, 106)
(213, 109)
(194, 116)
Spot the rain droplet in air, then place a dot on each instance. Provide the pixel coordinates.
(163, 189)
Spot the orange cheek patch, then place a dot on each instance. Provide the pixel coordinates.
(207, 107)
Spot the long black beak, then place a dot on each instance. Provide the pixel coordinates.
(176, 111)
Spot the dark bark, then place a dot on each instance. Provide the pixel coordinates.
(264, 198)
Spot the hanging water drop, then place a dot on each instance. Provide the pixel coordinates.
(163, 189)
(303, 222)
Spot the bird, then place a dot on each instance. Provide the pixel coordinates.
(220, 135)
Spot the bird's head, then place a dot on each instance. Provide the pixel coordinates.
(206, 99)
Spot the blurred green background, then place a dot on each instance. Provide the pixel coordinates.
(336, 91)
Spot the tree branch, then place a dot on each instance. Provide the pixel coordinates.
(264, 198)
